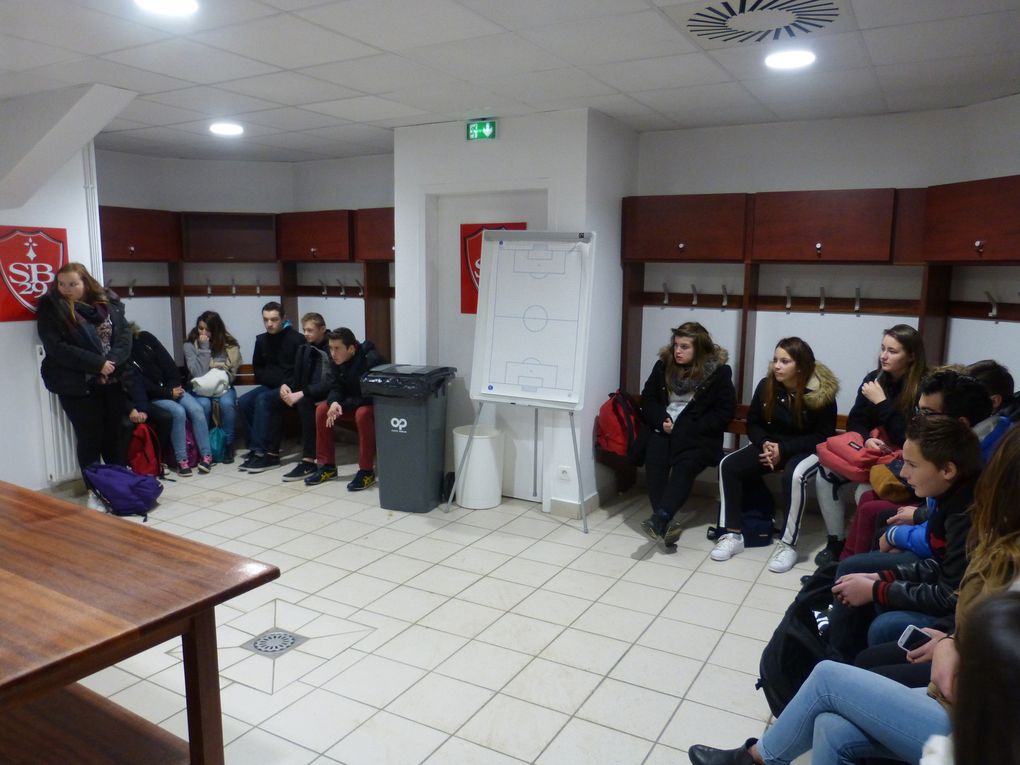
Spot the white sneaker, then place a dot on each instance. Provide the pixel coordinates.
(784, 557)
(728, 546)
(92, 502)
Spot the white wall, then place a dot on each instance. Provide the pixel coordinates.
(344, 184)
(60, 203)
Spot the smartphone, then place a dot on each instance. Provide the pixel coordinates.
(912, 637)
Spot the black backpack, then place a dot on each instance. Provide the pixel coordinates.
(796, 647)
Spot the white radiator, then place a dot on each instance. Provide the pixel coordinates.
(58, 436)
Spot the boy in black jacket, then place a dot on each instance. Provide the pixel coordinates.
(351, 360)
(306, 387)
(273, 361)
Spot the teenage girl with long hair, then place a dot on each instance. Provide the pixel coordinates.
(210, 346)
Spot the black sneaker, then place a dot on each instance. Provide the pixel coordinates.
(833, 549)
(205, 464)
(300, 472)
(323, 474)
(249, 458)
(263, 463)
(228, 454)
(672, 535)
(362, 480)
(651, 530)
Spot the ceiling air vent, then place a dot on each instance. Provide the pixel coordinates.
(762, 21)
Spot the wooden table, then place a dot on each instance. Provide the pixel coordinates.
(80, 591)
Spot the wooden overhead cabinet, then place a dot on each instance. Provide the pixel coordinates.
(975, 221)
(845, 226)
(324, 235)
(131, 233)
(684, 227)
(229, 237)
(373, 234)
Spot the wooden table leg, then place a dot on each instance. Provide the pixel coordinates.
(202, 686)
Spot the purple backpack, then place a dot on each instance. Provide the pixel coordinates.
(121, 490)
(190, 444)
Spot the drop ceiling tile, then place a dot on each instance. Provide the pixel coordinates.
(209, 15)
(482, 57)
(150, 113)
(302, 142)
(118, 123)
(23, 83)
(365, 109)
(398, 24)
(211, 101)
(828, 108)
(612, 38)
(750, 114)
(131, 145)
(617, 105)
(73, 27)
(190, 61)
(728, 95)
(379, 74)
(366, 135)
(167, 135)
(289, 88)
(661, 72)
(804, 86)
(88, 70)
(524, 14)
(836, 51)
(951, 38)
(652, 121)
(289, 118)
(17, 55)
(285, 41)
(882, 13)
(948, 82)
(457, 98)
(201, 128)
(417, 119)
(292, 5)
(545, 87)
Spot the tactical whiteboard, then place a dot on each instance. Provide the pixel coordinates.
(534, 305)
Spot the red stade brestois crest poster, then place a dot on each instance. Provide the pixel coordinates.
(29, 261)
(471, 259)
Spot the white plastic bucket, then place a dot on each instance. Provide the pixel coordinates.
(480, 483)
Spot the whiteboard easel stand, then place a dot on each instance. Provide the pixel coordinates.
(577, 464)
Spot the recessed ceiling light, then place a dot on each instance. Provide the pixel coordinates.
(226, 128)
(790, 59)
(169, 7)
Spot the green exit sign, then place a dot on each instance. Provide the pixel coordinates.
(481, 130)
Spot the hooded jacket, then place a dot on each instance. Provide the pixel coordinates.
(698, 430)
(346, 388)
(818, 414)
(72, 362)
(156, 366)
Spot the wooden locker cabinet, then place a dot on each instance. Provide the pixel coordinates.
(373, 234)
(684, 227)
(229, 237)
(973, 221)
(848, 226)
(130, 233)
(323, 235)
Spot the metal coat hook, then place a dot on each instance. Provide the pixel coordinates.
(665, 293)
(324, 293)
(361, 289)
(789, 300)
(994, 313)
(343, 288)
(725, 297)
(694, 296)
(258, 286)
(857, 301)
(131, 288)
(821, 300)
(233, 286)
(208, 287)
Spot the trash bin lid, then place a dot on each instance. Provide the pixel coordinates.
(405, 380)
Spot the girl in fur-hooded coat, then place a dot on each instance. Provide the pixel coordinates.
(792, 411)
(687, 402)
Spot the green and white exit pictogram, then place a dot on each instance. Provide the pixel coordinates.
(481, 130)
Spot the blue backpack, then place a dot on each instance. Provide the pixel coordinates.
(121, 490)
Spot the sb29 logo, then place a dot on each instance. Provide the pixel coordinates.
(399, 424)
(29, 261)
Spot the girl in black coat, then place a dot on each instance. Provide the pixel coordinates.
(86, 340)
(687, 402)
(792, 411)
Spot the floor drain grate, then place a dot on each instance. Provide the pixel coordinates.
(273, 643)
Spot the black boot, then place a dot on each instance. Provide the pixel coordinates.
(706, 755)
(833, 548)
(228, 454)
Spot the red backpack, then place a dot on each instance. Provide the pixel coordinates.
(144, 456)
(619, 429)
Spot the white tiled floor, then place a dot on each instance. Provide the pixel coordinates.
(489, 636)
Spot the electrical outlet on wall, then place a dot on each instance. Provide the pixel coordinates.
(563, 473)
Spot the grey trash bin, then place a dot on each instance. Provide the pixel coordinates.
(410, 433)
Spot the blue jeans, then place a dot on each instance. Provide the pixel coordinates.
(228, 412)
(889, 625)
(186, 406)
(843, 714)
(260, 408)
